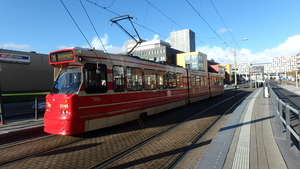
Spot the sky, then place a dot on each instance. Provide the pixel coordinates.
(271, 26)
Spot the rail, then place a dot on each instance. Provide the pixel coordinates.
(283, 118)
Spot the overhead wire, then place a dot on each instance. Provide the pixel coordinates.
(204, 20)
(99, 39)
(146, 13)
(93, 26)
(173, 20)
(164, 14)
(76, 23)
(209, 24)
(170, 18)
(138, 23)
(222, 20)
(110, 4)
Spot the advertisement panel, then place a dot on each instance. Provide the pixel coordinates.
(256, 69)
(14, 58)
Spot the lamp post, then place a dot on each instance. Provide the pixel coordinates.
(296, 69)
(235, 73)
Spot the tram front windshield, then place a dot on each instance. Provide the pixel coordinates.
(68, 81)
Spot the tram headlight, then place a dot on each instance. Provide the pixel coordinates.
(64, 112)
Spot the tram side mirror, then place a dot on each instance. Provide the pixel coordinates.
(99, 69)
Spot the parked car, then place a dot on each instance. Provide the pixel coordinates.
(41, 106)
(233, 85)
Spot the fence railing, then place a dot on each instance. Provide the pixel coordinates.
(37, 107)
(283, 118)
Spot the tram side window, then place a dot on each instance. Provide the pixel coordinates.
(134, 79)
(171, 78)
(202, 79)
(193, 79)
(197, 80)
(219, 81)
(150, 79)
(214, 82)
(161, 79)
(95, 77)
(179, 78)
(119, 78)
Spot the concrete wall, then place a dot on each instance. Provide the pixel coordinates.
(17, 77)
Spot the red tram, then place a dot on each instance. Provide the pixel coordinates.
(94, 90)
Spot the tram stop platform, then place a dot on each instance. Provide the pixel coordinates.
(251, 138)
(16, 126)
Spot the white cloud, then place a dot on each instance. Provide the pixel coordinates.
(290, 47)
(155, 37)
(99, 43)
(103, 45)
(13, 46)
(115, 49)
(65, 47)
(224, 30)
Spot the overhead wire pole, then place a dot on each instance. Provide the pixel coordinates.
(235, 71)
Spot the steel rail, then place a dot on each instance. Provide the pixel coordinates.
(159, 134)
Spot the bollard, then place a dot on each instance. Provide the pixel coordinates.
(1, 115)
(266, 91)
(36, 108)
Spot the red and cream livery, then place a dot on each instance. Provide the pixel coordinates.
(94, 90)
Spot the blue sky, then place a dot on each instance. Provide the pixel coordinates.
(272, 27)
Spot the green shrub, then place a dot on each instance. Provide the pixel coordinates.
(22, 97)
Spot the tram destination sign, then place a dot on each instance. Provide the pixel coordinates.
(61, 56)
(14, 58)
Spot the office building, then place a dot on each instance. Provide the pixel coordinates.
(192, 60)
(25, 71)
(156, 50)
(183, 40)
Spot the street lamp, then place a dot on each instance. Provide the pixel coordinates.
(296, 69)
(235, 72)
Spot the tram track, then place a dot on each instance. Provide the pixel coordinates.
(12, 144)
(32, 147)
(182, 149)
(128, 147)
(284, 95)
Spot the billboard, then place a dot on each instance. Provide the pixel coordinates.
(14, 58)
(256, 69)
